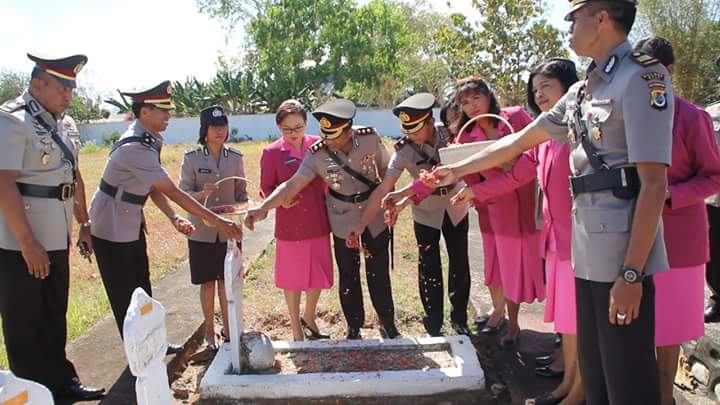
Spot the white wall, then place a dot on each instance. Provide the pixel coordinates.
(258, 126)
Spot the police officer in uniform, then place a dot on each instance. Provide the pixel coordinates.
(352, 161)
(416, 151)
(620, 123)
(131, 175)
(41, 188)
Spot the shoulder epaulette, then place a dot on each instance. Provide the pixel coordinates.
(401, 143)
(365, 130)
(147, 140)
(643, 59)
(11, 107)
(190, 151)
(234, 151)
(317, 146)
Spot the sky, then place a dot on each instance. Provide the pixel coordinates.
(136, 44)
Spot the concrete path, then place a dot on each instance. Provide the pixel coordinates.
(98, 354)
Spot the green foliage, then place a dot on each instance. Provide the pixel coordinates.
(693, 27)
(12, 84)
(85, 108)
(90, 147)
(109, 140)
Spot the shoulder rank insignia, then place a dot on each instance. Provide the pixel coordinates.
(147, 140)
(233, 151)
(365, 130)
(401, 143)
(190, 151)
(11, 107)
(643, 59)
(317, 146)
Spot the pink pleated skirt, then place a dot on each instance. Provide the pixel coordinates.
(304, 264)
(560, 304)
(679, 305)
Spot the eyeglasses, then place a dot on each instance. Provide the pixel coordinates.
(297, 130)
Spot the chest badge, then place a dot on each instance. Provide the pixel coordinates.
(45, 159)
(596, 133)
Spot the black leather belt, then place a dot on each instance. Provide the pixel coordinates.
(353, 199)
(62, 192)
(127, 197)
(444, 191)
(624, 182)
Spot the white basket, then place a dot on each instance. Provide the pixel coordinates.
(455, 152)
(237, 216)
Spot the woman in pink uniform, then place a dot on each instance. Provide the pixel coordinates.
(549, 163)
(302, 260)
(513, 270)
(694, 175)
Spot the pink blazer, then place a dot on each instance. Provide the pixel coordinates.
(308, 219)
(549, 162)
(511, 213)
(694, 175)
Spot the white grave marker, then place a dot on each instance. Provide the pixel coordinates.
(18, 391)
(234, 273)
(145, 346)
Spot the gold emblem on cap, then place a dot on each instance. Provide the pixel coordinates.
(404, 117)
(78, 68)
(325, 123)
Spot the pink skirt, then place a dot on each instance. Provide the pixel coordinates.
(679, 305)
(301, 265)
(560, 304)
(515, 264)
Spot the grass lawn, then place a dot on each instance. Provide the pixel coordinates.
(265, 307)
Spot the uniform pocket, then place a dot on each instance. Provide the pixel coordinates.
(606, 220)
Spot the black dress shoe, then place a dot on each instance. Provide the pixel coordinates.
(546, 371)
(547, 399)
(712, 314)
(482, 320)
(78, 392)
(389, 332)
(544, 360)
(461, 329)
(173, 349)
(310, 333)
(558, 340)
(353, 334)
(490, 329)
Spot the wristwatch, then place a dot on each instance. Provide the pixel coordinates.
(85, 224)
(632, 276)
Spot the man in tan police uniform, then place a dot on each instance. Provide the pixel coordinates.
(620, 123)
(41, 188)
(132, 174)
(416, 151)
(352, 161)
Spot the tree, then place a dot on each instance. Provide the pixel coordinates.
(513, 37)
(693, 27)
(85, 108)
(12, 84)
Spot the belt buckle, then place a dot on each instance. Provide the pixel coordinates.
(357, 199)
(443, 191)
(66, 191)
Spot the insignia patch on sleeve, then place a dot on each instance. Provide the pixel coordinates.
(653, 76)
(401, 143)
(658, 96)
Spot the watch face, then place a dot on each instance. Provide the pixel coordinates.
(630, 276)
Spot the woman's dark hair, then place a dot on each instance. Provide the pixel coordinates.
(449, 106)
(473, 85)
(657, 47)
(290, 107)
(561, 69)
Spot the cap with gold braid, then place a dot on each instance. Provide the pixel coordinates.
(578, 4)
(334, 116)
(159, 96)
(414, 111)
(65, 70)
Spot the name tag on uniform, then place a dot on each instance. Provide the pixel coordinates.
(596, 102)
(205, 171)
(291, 160)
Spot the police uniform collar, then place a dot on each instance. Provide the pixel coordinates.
(36, 109)
(139, 129)
(606, 69)
(225, 151)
